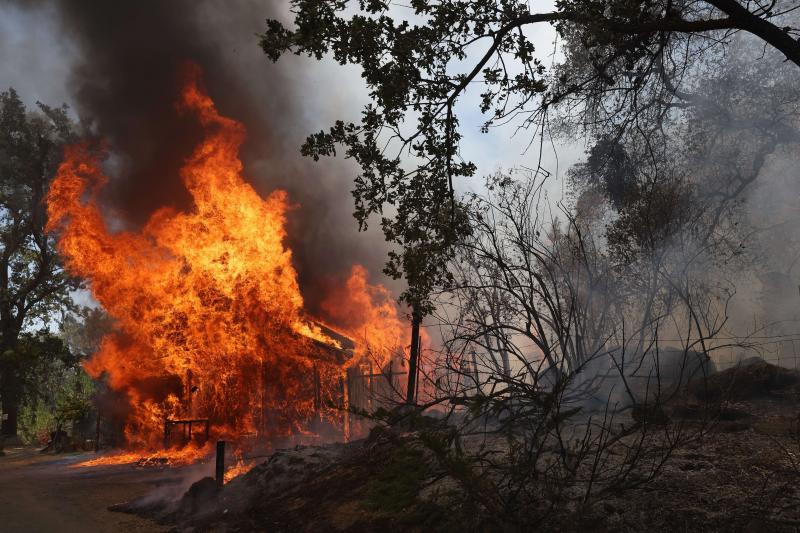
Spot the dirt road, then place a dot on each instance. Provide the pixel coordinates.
(48, 493)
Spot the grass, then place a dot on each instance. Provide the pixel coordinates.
(396, 485)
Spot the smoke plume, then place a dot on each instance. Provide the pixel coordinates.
(125, 84)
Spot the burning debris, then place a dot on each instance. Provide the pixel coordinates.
(211, 338)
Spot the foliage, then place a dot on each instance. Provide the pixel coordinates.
(624, 63)
(56, 390)
(397, 484)
(608, 170)
(553, 323)
(84, 329)
(33, 283)
(64, 399)
(694, 167)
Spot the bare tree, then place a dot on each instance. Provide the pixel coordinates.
(595, 360)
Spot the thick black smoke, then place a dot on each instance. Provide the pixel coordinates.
(126, 83)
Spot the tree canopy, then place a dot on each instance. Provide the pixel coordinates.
(621, 64)
(33, 283)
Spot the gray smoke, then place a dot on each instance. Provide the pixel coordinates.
(125, 79)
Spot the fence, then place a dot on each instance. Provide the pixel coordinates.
(370, 387)
(784, 353)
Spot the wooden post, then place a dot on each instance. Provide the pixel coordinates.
(97, 434)
(346, 405)
(220, 470)
(189, 385)
(166, 433)
(413, 359)
(263, 375)
(317, 395)
(371, 389)
(393, 382)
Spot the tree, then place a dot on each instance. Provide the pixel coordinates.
(84, 330)
(700, 166)
(55, 390)
(33, 283)
(582, 409)
(624, 63)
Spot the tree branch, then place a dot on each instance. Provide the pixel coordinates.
(743, 19)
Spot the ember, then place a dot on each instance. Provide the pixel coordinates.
(242, 466)
(210, 318)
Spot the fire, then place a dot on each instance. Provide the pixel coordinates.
(172, 457)
(368, 314)
(209, 313)
(242, 466)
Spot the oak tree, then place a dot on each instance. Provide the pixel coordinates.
(33, 283)
(620, 64)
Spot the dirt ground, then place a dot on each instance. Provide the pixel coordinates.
(48, 493)
(736, 470)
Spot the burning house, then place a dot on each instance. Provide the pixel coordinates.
(212, 338)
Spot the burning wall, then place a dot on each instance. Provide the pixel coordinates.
(210, 318)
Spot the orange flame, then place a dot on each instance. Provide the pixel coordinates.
(241, 467)
(172, 457)
(368, 314)
(209, 313)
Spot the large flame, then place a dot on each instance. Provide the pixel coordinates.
(367, 313)
(209, 313)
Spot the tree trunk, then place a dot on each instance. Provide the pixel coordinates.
(10, 400)
(412, 361)
(10, 382)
